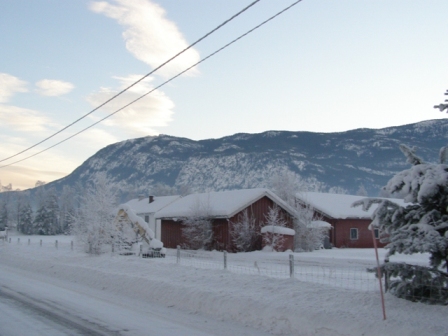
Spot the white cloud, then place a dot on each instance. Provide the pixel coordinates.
(140, 118)
(149, 36)
(51, 87)
(22, 119)
(10, 85)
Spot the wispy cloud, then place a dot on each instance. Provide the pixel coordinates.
(141, 118)
(149, 35)
(22, 119)
(9, 85)
(51, 87)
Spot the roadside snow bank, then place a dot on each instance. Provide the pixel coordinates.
(273, 305)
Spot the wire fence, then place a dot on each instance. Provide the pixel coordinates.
(353, 277)
(424, 285)
(56, 244)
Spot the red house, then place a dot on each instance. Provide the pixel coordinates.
(350, 224)
(223, 208)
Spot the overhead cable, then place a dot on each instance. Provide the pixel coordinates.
(159, 86)
(135, 83)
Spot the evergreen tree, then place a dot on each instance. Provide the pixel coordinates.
(24, 215)
(66, 209)
(3, 215)
(420, 227)
(46, 221)
(444, 106)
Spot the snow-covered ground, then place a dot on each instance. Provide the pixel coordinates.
(330, 294)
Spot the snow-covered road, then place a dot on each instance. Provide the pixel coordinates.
(35, 305)
(128, 295)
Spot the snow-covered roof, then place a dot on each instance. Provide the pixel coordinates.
(338, 205)
(222, 204)
(142, 205)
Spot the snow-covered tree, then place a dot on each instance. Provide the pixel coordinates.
(24, 215)
(3, 214)
(309, 235)
(285, 184)
(46, 221)
(67, 202)
(442, 107)
(421, 226)
(244, 232)
(338, 190)
(198, 229)
(93, 223)
(273, 225)
(362, 190)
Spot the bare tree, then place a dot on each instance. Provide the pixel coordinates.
(198, 229)
(244, 232)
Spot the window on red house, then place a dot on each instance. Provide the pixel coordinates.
(377, 233)
(353, 234)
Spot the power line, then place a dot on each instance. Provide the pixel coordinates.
(135, 83)
(164, 83)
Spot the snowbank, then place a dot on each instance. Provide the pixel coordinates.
(320, 225)
(278, 229)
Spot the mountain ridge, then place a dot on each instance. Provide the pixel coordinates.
(344, 160)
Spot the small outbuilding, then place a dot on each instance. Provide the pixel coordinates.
(349, 225)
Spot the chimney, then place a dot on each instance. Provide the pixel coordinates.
(151, 199)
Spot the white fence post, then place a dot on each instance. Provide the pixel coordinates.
(56, 244)
(178, 254)
(225, 259)
(71, 245)
(40, 243)
(291, 265)
(29, 241)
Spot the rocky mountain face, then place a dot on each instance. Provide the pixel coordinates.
(343, 160)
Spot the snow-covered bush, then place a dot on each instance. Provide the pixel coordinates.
(244, 232)
(93, 222)
(422, 226)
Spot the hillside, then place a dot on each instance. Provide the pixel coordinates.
(324, 160)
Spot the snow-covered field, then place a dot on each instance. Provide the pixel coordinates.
(330, 294)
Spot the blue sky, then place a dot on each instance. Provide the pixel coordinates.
(323, 66)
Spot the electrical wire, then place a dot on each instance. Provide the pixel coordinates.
(136, 82)
(159, 86)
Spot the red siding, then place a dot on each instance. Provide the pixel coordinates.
(172, 231)
(340, 233)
